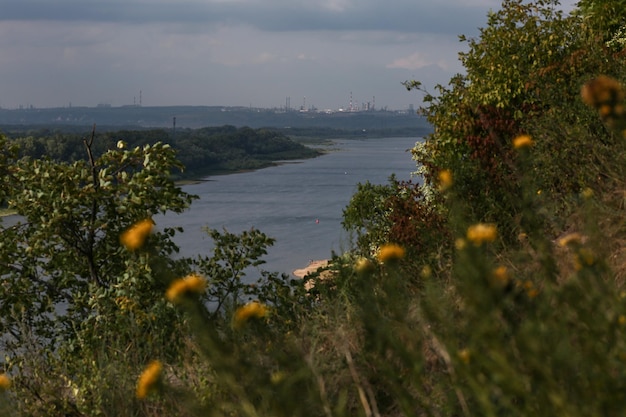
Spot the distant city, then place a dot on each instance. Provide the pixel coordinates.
(353, 116)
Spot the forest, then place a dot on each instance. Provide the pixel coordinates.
(497, 287)
(204, 151)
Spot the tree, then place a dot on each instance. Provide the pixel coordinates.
(523, 76)
(607, 18)
(69, 288)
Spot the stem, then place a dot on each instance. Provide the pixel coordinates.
(91, 236)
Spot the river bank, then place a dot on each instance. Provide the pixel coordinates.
(313, 266)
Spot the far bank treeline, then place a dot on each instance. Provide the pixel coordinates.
(205, 151)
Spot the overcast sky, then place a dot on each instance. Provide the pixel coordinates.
(230, 52)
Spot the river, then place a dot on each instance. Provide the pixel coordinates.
(298, 203)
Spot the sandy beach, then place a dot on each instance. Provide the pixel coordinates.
(311, 267)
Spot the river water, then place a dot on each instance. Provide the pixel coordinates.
(298, 203)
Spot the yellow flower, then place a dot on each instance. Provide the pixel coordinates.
(5, 382)
(121, 144)
(587, 193)
(364, 266)
(602, 91)
(460, 243)
(390, 252)
(464, 355)
(570, 239)
(252, 310)
(501, 275)
(149, 379)
(523, 141)
(191, 284)
(135, 236)
(445, 179)
(481, 233)
(277, 377)
(531, 291)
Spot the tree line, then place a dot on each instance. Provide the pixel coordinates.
(202, 151)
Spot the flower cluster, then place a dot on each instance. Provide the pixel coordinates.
(135, 236)
(191, 284)
(482, 233)
(252, 310)
(149, 379)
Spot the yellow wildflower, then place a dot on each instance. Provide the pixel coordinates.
(570, 239)
(364, 266)
(501, 275)
(460, 243)
(252, 310)
(149, 379)
(587, 193)
(481, 233)
(445, 179)
(135, 236)
(601, 91)
(191, 284)
(464, 355)
(277, 377)
(523, 141)
(390, 252)
(530, 288)
(5, 382)
(621, 319)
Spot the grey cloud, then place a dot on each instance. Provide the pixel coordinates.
(277, 15)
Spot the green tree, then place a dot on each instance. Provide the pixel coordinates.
(71, 294)
(523, 76)
(607, 18)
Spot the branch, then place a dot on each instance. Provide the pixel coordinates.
(93, 272)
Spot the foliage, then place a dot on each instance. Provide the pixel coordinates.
(496, 290)
(67, 283)
(607, 18)
(397, 212)
(523, 75)
(201, 151)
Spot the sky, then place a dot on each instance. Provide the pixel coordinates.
(256, 53)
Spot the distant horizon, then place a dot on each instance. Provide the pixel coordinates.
(410, 107)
